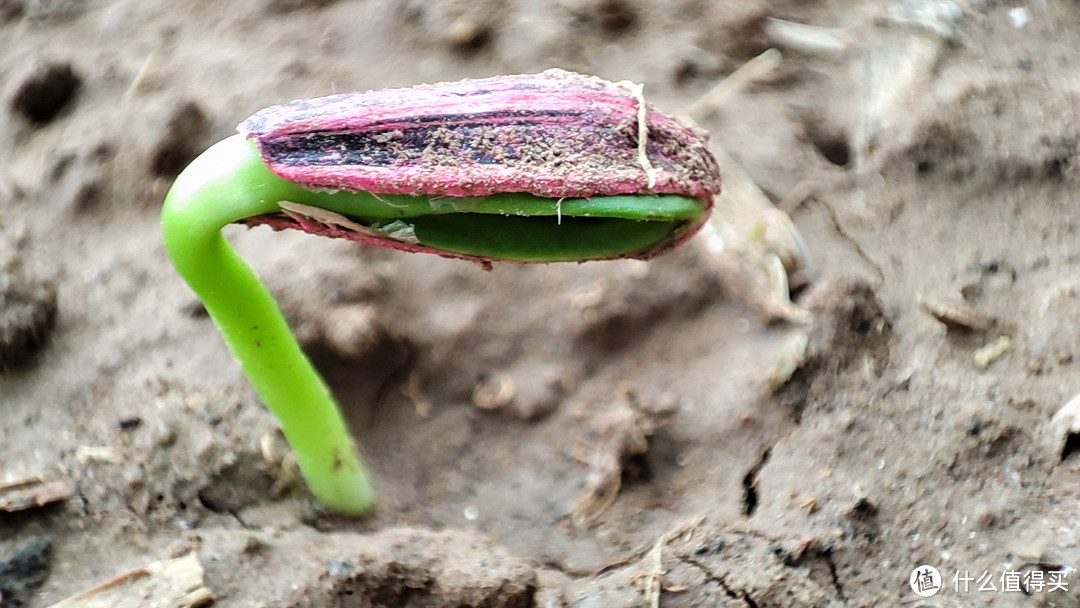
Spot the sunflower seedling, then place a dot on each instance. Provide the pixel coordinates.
(547, 167)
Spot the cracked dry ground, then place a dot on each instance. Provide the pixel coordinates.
(633, 446)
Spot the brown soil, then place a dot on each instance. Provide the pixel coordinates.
(631, 444)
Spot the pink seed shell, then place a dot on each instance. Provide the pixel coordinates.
(554, 134)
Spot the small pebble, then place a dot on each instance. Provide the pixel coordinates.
(467, 35)
(1064, 429)
(1019, 17)
(340, 568)
(991, 352)
(43, 90)
(352, 331)
(495, 392)
(712, 547)
(529, 390)
(863, 507)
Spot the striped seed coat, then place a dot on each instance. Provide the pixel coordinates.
(554, 134)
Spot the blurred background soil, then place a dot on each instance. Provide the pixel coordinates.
(608, 434)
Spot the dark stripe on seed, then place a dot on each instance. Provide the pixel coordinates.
(390, 146)
(472, 117)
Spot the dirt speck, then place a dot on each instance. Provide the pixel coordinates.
(529, 390)
(23, 570)
(415, 567)
(28, 308)
(850, 325)
(42, 10)
(614, 16)
(182, 136)
(43, 90)
(288, 6)
(468, 35)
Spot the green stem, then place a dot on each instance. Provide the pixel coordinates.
(222, 186)
(229, 182)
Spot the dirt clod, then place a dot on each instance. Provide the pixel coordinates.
(23, 571)
(10, 9)
(236, 487)
(529, 390)
(415, 568)
(1063, 430)
(27, 316)
(44, 90)
(615, 438)
(352, 331)
(743, 24)
(615, 16)
(756, 570)
(182, 137)
(850, 324)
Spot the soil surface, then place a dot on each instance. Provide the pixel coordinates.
(608, 434)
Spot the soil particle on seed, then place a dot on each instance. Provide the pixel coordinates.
(28, 310)
(43, 90)
(182, 137)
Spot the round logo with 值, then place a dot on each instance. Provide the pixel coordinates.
(925, 581)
